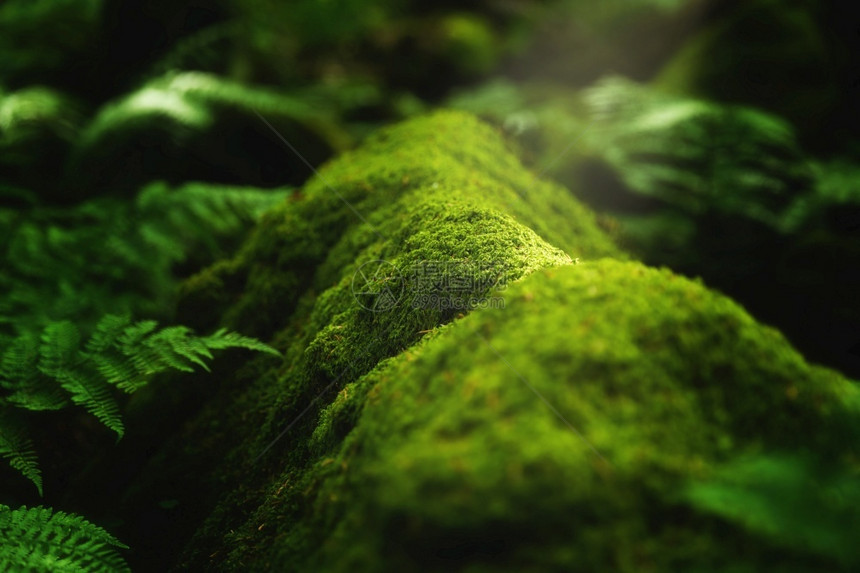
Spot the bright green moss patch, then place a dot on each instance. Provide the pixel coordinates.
(456, 464)
(399, 435)
(336, 276)
(439, 158)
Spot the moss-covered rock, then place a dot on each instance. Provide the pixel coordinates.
(554, 428)
(436, 201)
(558, 433)
(448, 168)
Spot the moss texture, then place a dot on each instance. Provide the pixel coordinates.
(552, 433)
(374, 199)
(447, 457)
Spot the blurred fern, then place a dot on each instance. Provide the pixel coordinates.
(39, 37)
(25, 113)
(37, 127)
(194, 125)
(695, 155)
(188, 100)
(206, 49)
(114, 256)
(837, 188)
(53, 371)
(41, 539)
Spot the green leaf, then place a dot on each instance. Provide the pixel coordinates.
(17, 448)
(41, 539)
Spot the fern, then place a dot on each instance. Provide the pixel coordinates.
(183, 104)
(74, 263)
(836, 188)
(38, 38)
(56, 370)
(695, 155)
(16, 448)
(204, 49)
(32, 390)
(41, 539)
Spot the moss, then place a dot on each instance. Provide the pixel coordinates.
(455, 464)
(400, 435)
(440, 192)
(442, 157)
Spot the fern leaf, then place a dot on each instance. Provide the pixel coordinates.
(62, 360)
(17, 449)
(696, 155)
(19, 374)
(41, 395)
(186, 345)
(170, 345)
(116, 368)
(59, 349)
(41, 539)
(90, 391)
(224, 339)
(107, 332)
(133, 336)
(19, 361)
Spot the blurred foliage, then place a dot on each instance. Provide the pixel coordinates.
(110, 256)
(798, 503)
(715, 135)
(164, 129)
(53, 370)
(721, 191)
(37, 127)
(39, 38)
(694, 155)
(753, 52)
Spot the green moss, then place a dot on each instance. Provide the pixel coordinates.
(362, 200)
(455, 464)
(398, 435)
(440, 191)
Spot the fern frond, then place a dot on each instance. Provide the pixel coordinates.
(174, 346)
(187, 100)
(117, 369)
(19, 374)
(71, 263)
(836, 188)
(196, 207)
(132, 337)
(224, 339)
(107, 333)
(62, 360)
(45, 373)
(696, 155)
(90, 391)
(59, 349)
(17, 448)
(41, 539)
(18, 362)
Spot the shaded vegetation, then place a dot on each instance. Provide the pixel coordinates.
(470, 373)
